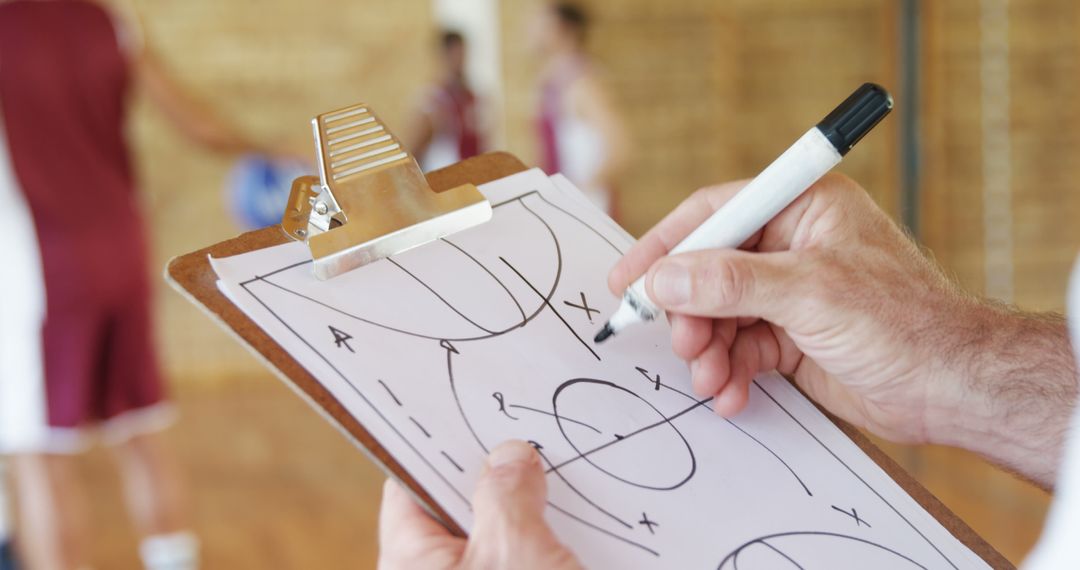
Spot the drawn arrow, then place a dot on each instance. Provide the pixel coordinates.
(341, 338)
(446, 344)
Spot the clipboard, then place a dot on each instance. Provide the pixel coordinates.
(192, 276)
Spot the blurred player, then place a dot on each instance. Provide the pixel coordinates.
(77, 358)
(580, 133)
(445, 124)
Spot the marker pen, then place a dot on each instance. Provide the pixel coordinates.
(776, 187)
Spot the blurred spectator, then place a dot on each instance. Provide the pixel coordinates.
(445, 124)
(580, 133)
(77, 355)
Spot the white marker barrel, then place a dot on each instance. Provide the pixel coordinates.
(774, 189)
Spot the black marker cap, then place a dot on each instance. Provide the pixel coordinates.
(853, 118)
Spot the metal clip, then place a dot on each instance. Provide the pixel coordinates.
(370, 199)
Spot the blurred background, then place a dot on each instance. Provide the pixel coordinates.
(978, 160)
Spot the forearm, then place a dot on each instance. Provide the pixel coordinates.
(190, 117)
(215, 135)
(1014, 388)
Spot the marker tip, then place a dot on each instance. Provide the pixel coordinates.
(604, 334)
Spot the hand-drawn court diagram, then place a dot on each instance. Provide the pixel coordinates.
(446, 350)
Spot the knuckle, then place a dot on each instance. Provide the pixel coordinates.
(839, 182)
(846, 191)
(839, 188)
(507, 477)
(701, 198)
(728, 282)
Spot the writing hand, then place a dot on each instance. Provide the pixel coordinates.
(832, 293)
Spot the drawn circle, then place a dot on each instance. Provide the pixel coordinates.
(814, 549)
(619, 439)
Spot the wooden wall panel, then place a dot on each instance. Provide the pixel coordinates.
(1044, 119)
(1044, 82)
(1045, 136)
(795, 62)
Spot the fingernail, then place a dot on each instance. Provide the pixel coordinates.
(693, 368)
(671, 284)
(510, 452)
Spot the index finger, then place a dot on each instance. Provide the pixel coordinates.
(665, 235)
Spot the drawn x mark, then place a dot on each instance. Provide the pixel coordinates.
(853, 514)
(649, 524)
(584, 306)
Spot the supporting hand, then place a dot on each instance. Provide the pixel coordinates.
(509, 530)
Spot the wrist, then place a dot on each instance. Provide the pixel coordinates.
(1008, 390)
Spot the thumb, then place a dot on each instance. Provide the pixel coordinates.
(728, 283)
(508, 509)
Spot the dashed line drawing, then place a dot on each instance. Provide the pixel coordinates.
(420, 427)
(390, 392)
(452, 462)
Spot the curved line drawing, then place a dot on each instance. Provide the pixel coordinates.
(488, 271)
(441, 298)
(562, 430)
(771, 452)
(545, 301)
(547, 413)
(636, 432)
(733, 557)
(657, 382)
(856, 475)
(457, 400)
(776, 550)
(472, 430)
(582, 222)
(580, 494)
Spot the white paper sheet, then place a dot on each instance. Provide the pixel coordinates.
(448, 349)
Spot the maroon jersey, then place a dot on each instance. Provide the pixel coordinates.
(460, 104)
(452, 109)
(63, 94)
(63, 101)
(551, 112)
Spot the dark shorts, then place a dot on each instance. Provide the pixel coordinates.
(100, 361)
(80, 361)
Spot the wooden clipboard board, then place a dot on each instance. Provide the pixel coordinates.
(192, 276)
